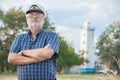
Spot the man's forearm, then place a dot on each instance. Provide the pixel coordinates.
(17, 59)
(40, 54)
(35, 53)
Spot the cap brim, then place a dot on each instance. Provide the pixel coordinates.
(35, 11)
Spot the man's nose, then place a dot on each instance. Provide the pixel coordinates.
(34, 16)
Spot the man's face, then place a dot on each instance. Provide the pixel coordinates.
(35, 20)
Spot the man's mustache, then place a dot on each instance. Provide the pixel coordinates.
(35, 21)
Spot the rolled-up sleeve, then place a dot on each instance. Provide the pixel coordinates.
(53, 41)
(15, 47)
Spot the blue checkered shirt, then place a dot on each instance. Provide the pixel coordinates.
(45, 70)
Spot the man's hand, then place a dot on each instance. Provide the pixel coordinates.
(47, 46)
(47, 52)
(21, 52)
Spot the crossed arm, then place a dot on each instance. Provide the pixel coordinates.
(31, 56)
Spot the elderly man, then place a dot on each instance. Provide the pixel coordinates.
(35, 52)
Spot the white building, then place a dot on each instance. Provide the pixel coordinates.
(87, 47)
(87, 50)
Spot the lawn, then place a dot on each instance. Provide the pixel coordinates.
(66, 77)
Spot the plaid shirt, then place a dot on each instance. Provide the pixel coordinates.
(45, 70)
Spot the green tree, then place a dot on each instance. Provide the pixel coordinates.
(67, 56)
(108, 45)
(13, 22)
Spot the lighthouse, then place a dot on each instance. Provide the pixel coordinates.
(87, 48)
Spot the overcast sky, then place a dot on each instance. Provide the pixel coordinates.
(70, 15)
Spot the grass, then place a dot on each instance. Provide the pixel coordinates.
(7, 76)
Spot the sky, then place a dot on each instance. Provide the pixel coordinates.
(69, 16)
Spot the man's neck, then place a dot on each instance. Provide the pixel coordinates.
(34, 33)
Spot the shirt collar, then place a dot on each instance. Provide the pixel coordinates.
(40, 31)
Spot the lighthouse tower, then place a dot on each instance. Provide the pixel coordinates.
(87, 48)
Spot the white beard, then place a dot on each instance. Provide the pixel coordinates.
(35, 26)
